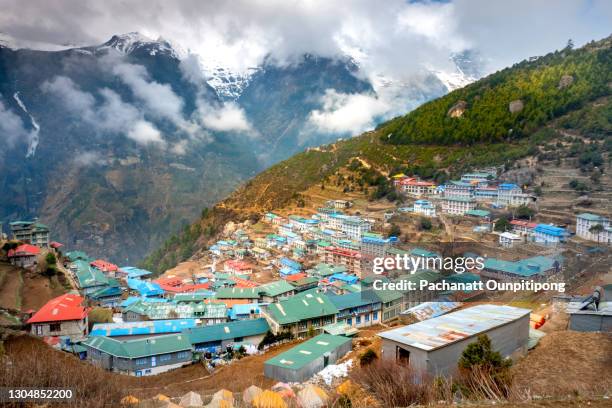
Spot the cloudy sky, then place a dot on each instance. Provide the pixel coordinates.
(394, 34)
(391, 39)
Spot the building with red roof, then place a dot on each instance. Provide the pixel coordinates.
(24, 255)
(238, 267)
(105, 266)
(350, 258)
(417, 187)
(523, 227)
(64, 315)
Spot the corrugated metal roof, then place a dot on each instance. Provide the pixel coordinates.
(138, 328)
(150, 346)
(308, 351)
(447, 329)
(227, 331)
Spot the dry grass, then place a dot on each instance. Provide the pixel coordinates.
(29, 364)
(567, 363)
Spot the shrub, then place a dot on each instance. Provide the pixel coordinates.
(367, 357)
(426, 224)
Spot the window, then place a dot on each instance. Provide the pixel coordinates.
(182, 355)
(358, 320)
(55, 327)
(367, 317)
(401, 355)
(375, 317)
(165, 357)
(142, 361)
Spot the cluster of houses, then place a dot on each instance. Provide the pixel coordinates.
(458, 197)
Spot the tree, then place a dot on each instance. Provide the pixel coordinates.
(481, 353)
(525, 213)
(395, 231)
(596, 230)
(502, 224)
(425, 224)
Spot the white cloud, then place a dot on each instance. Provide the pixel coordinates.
(112, 115)
(347, 113)
(160, 99)
(228, 117)
(399, 37)
(12, 130)
(144, 132)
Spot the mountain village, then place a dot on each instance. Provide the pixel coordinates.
(309, 273)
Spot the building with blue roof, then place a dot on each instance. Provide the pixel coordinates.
(359, 309)
(244, 311)
(549, 234)
(145, 289)
(344, 277)
(146, 328)
(132, 272)
(134, 299)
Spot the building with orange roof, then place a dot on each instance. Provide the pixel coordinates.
(24, 255)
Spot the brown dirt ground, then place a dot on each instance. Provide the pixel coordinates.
(568, 362)
(10, 291)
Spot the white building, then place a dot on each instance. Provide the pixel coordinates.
(512, 195)
(457, 206)
(424, 207)
(508, 239)
(354, 227)
(586, 221)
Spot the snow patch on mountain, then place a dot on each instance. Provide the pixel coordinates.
(34, 138)
(130, 42)
(228, 84)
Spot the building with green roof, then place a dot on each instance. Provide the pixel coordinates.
(271, 292)
(216, 337)
(139, 357)
(358, 309)
(536, 267)
(304, 313)
(89, 279)
(305, 360)
(31, 232)
(208, 313)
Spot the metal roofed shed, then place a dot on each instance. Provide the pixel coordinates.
(593, 314)
(434, 346)
(305, 360)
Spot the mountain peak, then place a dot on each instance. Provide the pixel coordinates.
(132, 41)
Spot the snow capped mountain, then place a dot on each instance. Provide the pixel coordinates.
(229, 85)
(134, 41)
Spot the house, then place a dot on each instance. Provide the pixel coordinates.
(508, 239)
(511, 195)
(375, 245)
(305, 283)
(592, 314)
(549, 234)
(133, 272)
(139, 357)
(359, 309)
(273, 291)
(24, 255)
(459, 189)
(300, 314)
(305, 360)
(349, 258)
(457, 205)
(207, 313)
(478, 177)
(244, 311)
(354, 227)
(145, 289)
(324, 270)
(30, 232)
(523, 228)
(238, 267)
(109, 296)
(142, 329)
(424, 208)
(274, 218)
(417, 188)
(483, 215)
(64, 315)
(537, 268)
(89, 279)
(392, 304)
(435, 346)
(216, 337)
(593, 228)
(108, 268)
(251, 295)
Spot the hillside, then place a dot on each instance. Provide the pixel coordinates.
(583, 110)
(512, 103)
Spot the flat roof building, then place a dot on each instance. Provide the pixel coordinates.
(435, 346)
